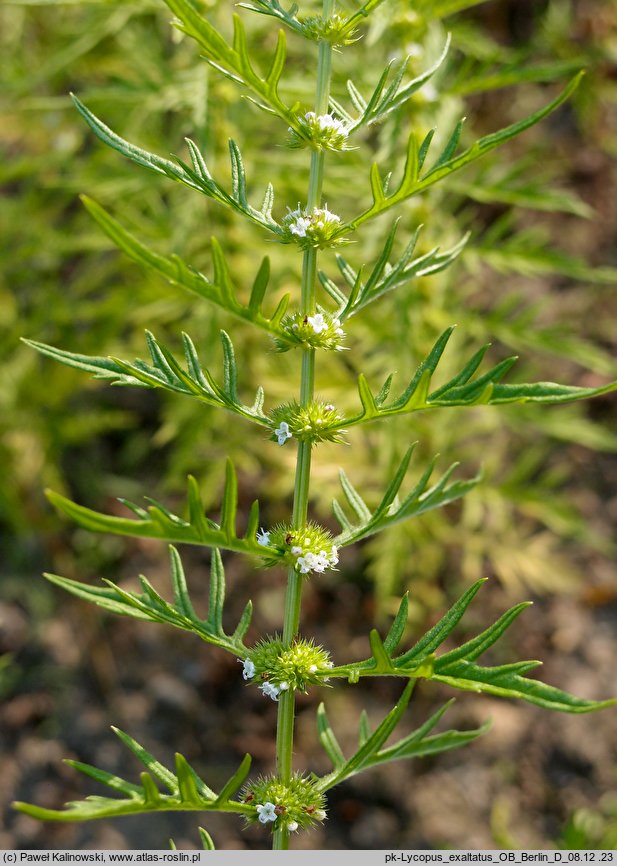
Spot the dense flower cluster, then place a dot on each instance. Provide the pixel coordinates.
(316, 422)
(296, 804)
(307, 550)
(320, 131)
(333, 29)
(321, 331)
(278, 668)
(311, 228)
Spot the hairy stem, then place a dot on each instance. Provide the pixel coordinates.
(293, 599)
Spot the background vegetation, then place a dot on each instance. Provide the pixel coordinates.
(536, 277)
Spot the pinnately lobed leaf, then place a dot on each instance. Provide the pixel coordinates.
(165, 372)
(185, 791)
(457, 668)
(158, 522)
(150, 606)
(413, 183)
(177, 272)
(464, 390)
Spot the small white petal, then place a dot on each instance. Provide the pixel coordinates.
(317, 323)
(270, 691)
(295, 550)
(263, 538)
(292, 826)
(249, 669)
(282, 433)
(303, 565)
(284, 687)
(266, 812)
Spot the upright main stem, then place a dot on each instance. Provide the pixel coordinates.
(293, 599)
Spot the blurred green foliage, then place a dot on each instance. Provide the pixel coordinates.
(534, 277)
(592, 829)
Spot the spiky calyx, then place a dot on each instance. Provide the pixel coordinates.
(293, 667)
(307, 549)
(316, 422)
(333, 29)
(314, 228)
(320, 331)
(295, 804)
(319, 131)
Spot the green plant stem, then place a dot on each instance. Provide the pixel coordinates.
(293, 599)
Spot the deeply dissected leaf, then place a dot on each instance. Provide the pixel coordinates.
(187, 792)
(372, 750)
(458, 668)
(180, 274)
(413, 182)
(150, 606)
(165, 372)
(391, 509)
(234, 60)
(158, 522)
(389, 93)
(196, 177)
(463, 390)
(385, 276)
(328, 739)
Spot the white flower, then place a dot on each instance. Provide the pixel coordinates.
(326, 123)
(282, 432)
(310, 561)
(326, 215)
(263, 538)
(266, 812)
(317, 323)
(283, 686)
(295, 550)
(299, 226)
(292, 826)
(303, 223)
(321, 561)
(313, 669)
(329, 407)
(319, 814)
(249, 669)
(306, 563)
(270, 691)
